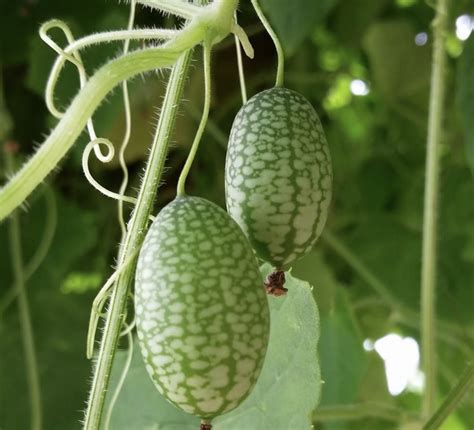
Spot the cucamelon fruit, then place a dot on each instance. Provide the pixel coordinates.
(201, 309)
(278, 175)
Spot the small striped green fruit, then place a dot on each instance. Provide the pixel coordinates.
(201, 309)
(278, 175)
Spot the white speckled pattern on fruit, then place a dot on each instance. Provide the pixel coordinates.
(278, 175)
(201, 309)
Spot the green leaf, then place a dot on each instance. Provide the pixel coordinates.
(354, 17)
(400, 68)
(287, 391)
(392, 252)
(315, 270)
(465, 97)
(294, 20)
(343, 360)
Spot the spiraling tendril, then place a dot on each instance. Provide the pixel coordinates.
(105, 158)
(71, 54)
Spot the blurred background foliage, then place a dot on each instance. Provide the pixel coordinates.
(365, 66)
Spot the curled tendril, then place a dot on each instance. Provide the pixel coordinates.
(104, 158)
(71, 54)
(73, 57)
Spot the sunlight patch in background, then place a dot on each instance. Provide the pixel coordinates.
(359, 87)
(402, 362)
(421, 38)
(464, 26)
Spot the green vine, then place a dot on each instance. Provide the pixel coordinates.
(428, 266)
(138, 223)
(281, 55)
(205, 23)
(202, 123)
(212, 22)
(80, 110)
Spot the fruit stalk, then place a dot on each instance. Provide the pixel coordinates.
(428, 269)
(276, 41)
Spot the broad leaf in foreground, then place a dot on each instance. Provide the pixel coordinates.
(286, 394)
(294, 20)
(288, 390)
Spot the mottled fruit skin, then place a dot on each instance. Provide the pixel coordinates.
(201, 309)
(279, 175)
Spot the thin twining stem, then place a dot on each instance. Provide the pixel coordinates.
(202, 124)
(127, 133)
(281, 55)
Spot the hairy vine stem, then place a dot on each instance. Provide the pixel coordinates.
(428, 267)
(133, 240)
(85, 103)
(214, 22)
(139, 220)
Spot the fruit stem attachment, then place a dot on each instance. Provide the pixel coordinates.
(202, 124)
(428, 266)
(281, 55)
(205, 425)
(274, 283)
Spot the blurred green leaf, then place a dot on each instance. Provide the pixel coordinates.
(374, 388)
(465, 96)
(353, 18)
(400, 68)
(20, 21)
(392, 251)
(294, 21)
(343, 360)
(316, 271)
